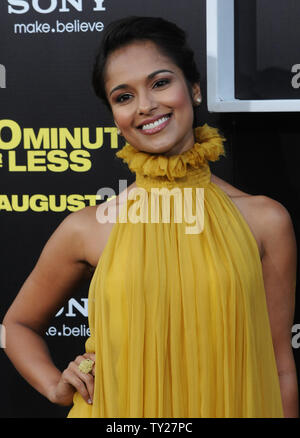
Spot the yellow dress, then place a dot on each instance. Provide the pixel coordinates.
(178, 318)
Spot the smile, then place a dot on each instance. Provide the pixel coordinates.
(158, 125)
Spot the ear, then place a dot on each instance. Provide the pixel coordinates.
(196, 94)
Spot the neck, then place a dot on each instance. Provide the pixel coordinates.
(188, 167)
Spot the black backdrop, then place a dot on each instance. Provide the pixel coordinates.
(57, 146)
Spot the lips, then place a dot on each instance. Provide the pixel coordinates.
(153, 120)
(155, 127)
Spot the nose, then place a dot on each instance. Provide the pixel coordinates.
(146, 103)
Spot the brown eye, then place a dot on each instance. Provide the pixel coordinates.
(123, 98)
(161, 82)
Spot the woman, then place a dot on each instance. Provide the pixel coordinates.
(184, 322)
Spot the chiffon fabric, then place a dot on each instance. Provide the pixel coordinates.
(177, 311)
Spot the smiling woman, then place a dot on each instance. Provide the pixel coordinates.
(182, 324)
(180, 327)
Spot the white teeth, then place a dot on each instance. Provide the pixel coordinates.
(156, 123)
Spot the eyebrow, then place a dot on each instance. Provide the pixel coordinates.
(122, 86)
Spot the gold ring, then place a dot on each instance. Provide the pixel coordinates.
(86, 366)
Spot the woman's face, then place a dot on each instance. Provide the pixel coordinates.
(150, 100)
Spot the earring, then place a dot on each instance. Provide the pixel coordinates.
(118, 129)
(197, 101)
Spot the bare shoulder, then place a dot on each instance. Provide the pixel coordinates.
(265, 216)
(273, 210)
(83, 226)
(277, 230)
(77, 224)
(93, 226)
(67, 242)
(80, 220)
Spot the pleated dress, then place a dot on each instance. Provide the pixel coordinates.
(177, 306)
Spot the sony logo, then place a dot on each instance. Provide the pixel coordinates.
(74, 304)
(23, 6)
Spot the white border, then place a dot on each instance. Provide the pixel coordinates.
(220, 65)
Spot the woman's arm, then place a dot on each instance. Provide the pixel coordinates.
(279, 265)
(59, 269)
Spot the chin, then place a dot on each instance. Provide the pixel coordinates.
(152, 150)
(158, 150)
(156, 144)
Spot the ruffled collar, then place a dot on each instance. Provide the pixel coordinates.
(162, 168)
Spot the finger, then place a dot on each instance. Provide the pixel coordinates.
(79, 359)
(71, 378)
(87, 379)
(91, 356)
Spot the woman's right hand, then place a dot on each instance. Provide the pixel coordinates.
(72, 380)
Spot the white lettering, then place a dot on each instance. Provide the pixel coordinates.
(296, 337)
(99, 5)
(77, 4)
(23, 6)
(2, 336)
(81, 309)
(18, 3)
(72, 303)
(37, 8)
(2, 76)
(296, 78)
(111, 206)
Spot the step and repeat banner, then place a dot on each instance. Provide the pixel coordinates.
(57, 149)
